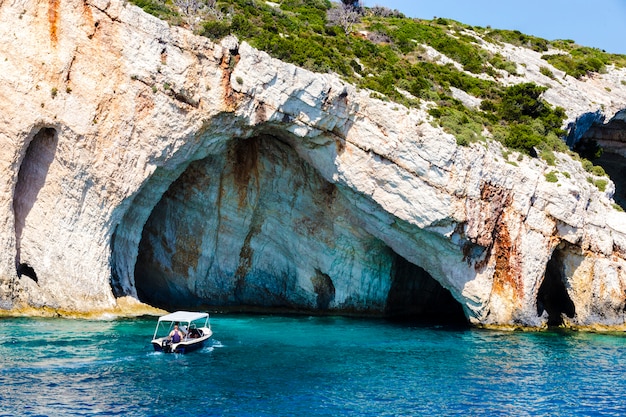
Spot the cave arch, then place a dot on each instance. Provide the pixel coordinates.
(31, 178)
(552, 297)
(256, 227)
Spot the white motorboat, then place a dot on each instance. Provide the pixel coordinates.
(194, 326)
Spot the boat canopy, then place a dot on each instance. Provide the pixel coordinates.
(184, 316)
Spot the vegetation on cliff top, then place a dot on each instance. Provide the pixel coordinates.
(391, 55)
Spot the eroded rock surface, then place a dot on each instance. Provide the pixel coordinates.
(141, 161)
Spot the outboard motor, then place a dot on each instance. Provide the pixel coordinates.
(166, 345)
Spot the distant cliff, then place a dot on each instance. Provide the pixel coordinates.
(143, 162)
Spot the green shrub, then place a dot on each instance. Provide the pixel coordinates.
(547, 72)
(240, 24)
(489, 106)
(499, 62)
(522, 100)
(553, 142)
(406, 33)
(215, 29)
(160, 9)
(551, 177)
(515, 37)
(601, 184)
(549, 157)
(549, 144)
(463, 124)
(598, 171)
(582, 60)
(587, 165)
(356, 67)
(435, 112)
(522, 138)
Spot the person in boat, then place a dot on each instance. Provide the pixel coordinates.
(176, 335)
(193, 333)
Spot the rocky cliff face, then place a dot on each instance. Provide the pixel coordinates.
(142, 162)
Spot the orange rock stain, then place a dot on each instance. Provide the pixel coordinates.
(53, 19)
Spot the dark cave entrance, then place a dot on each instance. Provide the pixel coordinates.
(605, 146)
(30, 180)
(417, 297)
(236, 231)
(552, 296)
(614, 164)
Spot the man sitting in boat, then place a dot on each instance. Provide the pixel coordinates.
(176, 335)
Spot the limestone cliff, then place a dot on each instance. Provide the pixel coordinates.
(143, 162)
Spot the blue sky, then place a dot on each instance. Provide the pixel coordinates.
(597, 23)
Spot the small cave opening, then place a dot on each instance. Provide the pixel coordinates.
(415, 296)
(30, 180)
(324, 288)
(27, 270)
(552, 297)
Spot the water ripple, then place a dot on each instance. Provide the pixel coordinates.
(286, 366)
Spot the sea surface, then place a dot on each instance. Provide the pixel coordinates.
(307, 366)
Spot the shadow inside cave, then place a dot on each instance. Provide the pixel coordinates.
(415, 296)
(552, 297)
(615, 166)
(30, 180)
(603, 144)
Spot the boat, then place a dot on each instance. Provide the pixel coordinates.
(195, 327)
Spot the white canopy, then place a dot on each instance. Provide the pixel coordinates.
(185, 316)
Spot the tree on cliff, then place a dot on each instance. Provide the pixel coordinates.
(345, 15)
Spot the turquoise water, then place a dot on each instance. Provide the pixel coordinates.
(307, 366)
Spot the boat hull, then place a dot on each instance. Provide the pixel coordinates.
(165, 346)
(178, 347)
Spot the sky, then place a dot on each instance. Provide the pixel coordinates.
(596, 23)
